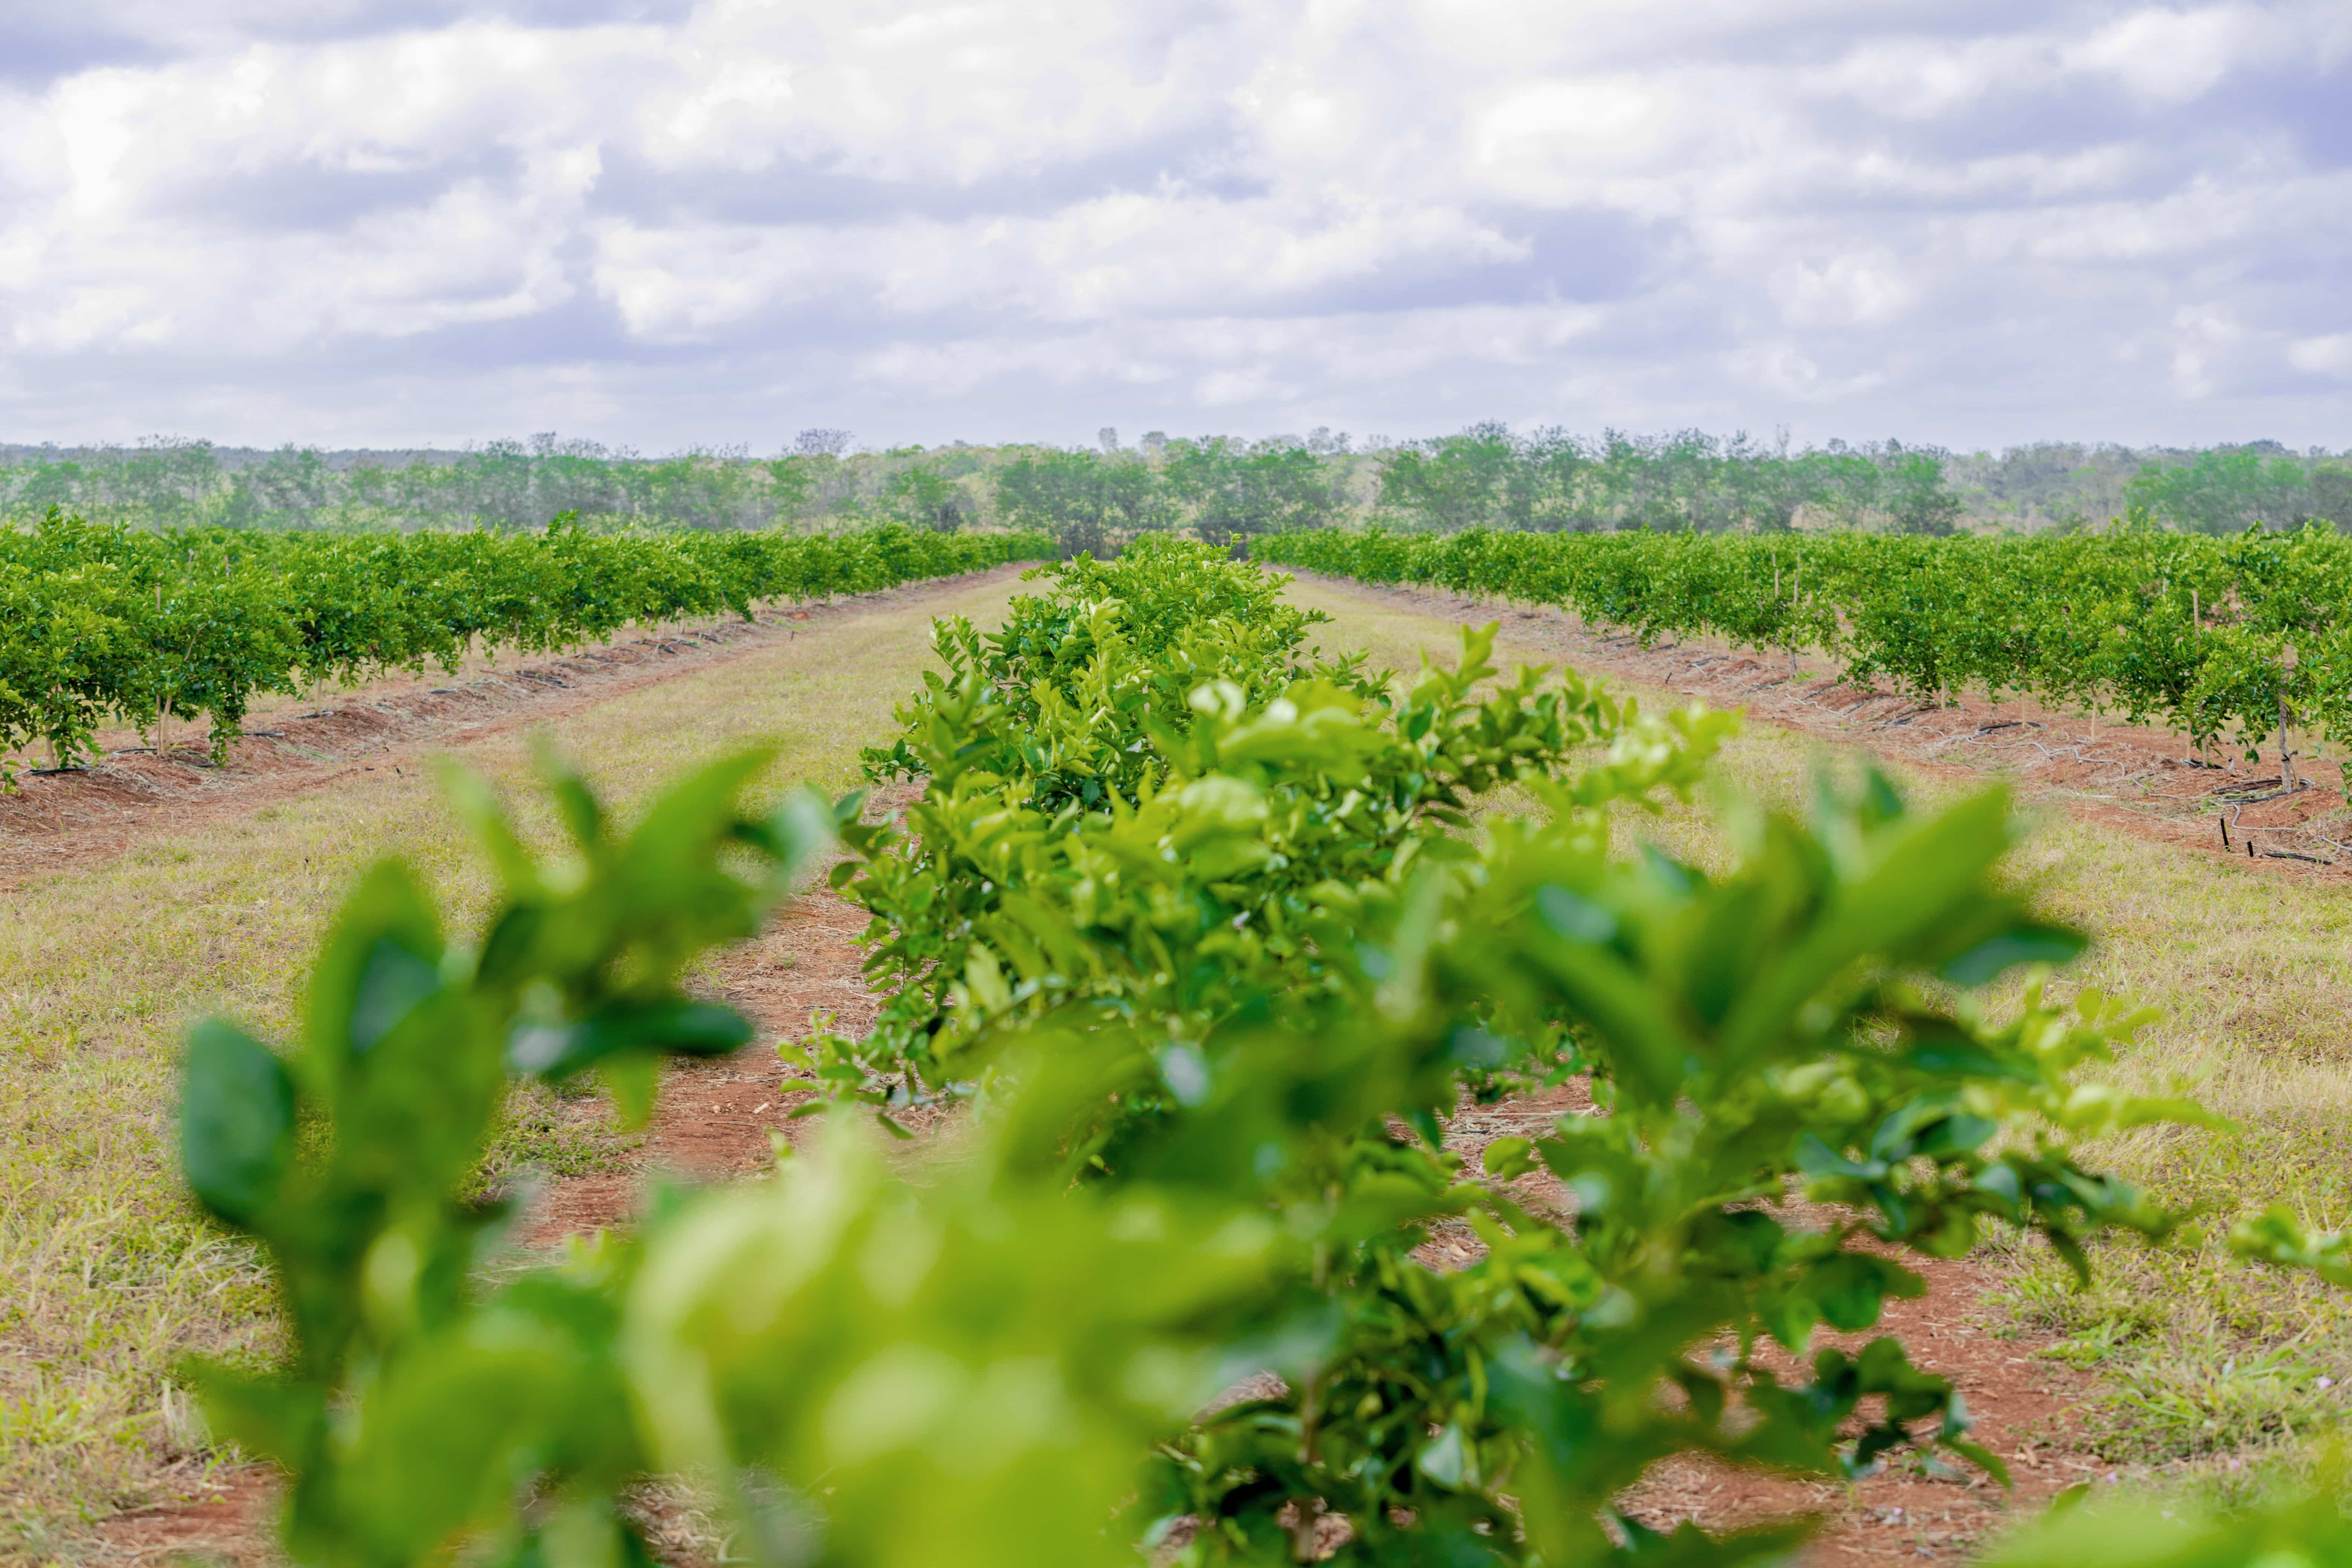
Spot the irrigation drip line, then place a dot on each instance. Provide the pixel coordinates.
(2259, 799)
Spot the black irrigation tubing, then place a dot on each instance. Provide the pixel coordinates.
(2259, 799)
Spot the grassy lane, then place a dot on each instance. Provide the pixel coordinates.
(2202, 1357)
(106, 1278)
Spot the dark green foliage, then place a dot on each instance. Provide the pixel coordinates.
(1084, 500)
(2174, 627)
(924, 496)
(2231, 489)
(1549, 480)
(498, 484)
(104, 621)
(1242, 488)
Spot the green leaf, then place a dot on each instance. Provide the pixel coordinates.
(477, 804)
(1508, 1158)
(2024, 943)
(1446, 1460)
(382, 959)
(574, 802)
(236, 1122)
(1851, 1287)
(632, 1079)
(683, 1028)
(1816, 1159)
(1983, 1459)
(278, 1418)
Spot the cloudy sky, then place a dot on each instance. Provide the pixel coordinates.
(663, 223)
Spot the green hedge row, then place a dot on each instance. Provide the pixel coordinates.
(102, 621)
(2187, 629)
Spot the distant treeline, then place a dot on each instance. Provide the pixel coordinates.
(1486, 476)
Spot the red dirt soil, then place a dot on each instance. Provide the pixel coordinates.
(716, 1118)
(2019, 1402)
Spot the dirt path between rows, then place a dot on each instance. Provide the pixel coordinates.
(2027, 1408)
(59, 821)
(716, 1122)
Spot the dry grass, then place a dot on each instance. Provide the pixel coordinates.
(2248, 973)
(107, 1277)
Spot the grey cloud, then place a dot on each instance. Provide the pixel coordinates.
(2309, 109)
(289, 195)
(45, 43)
(1763, 278)
(1577, 257)
(113, 32)
(811, 192)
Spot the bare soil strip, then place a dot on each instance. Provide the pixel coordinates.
(717, 1120)
(2025, 1406)
(1906, 1510)
(714, 1123)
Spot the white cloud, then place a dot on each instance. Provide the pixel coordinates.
(1857, 291)
(1117, 257)
(2329, 356)
(2174, 55)
(1922, 78)
(2203, 334)
(1545, 138)
(1041, 216)
(1785, 370)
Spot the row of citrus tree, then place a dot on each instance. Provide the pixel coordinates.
(1187, 930)
(2188, 629)
(103, 622)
